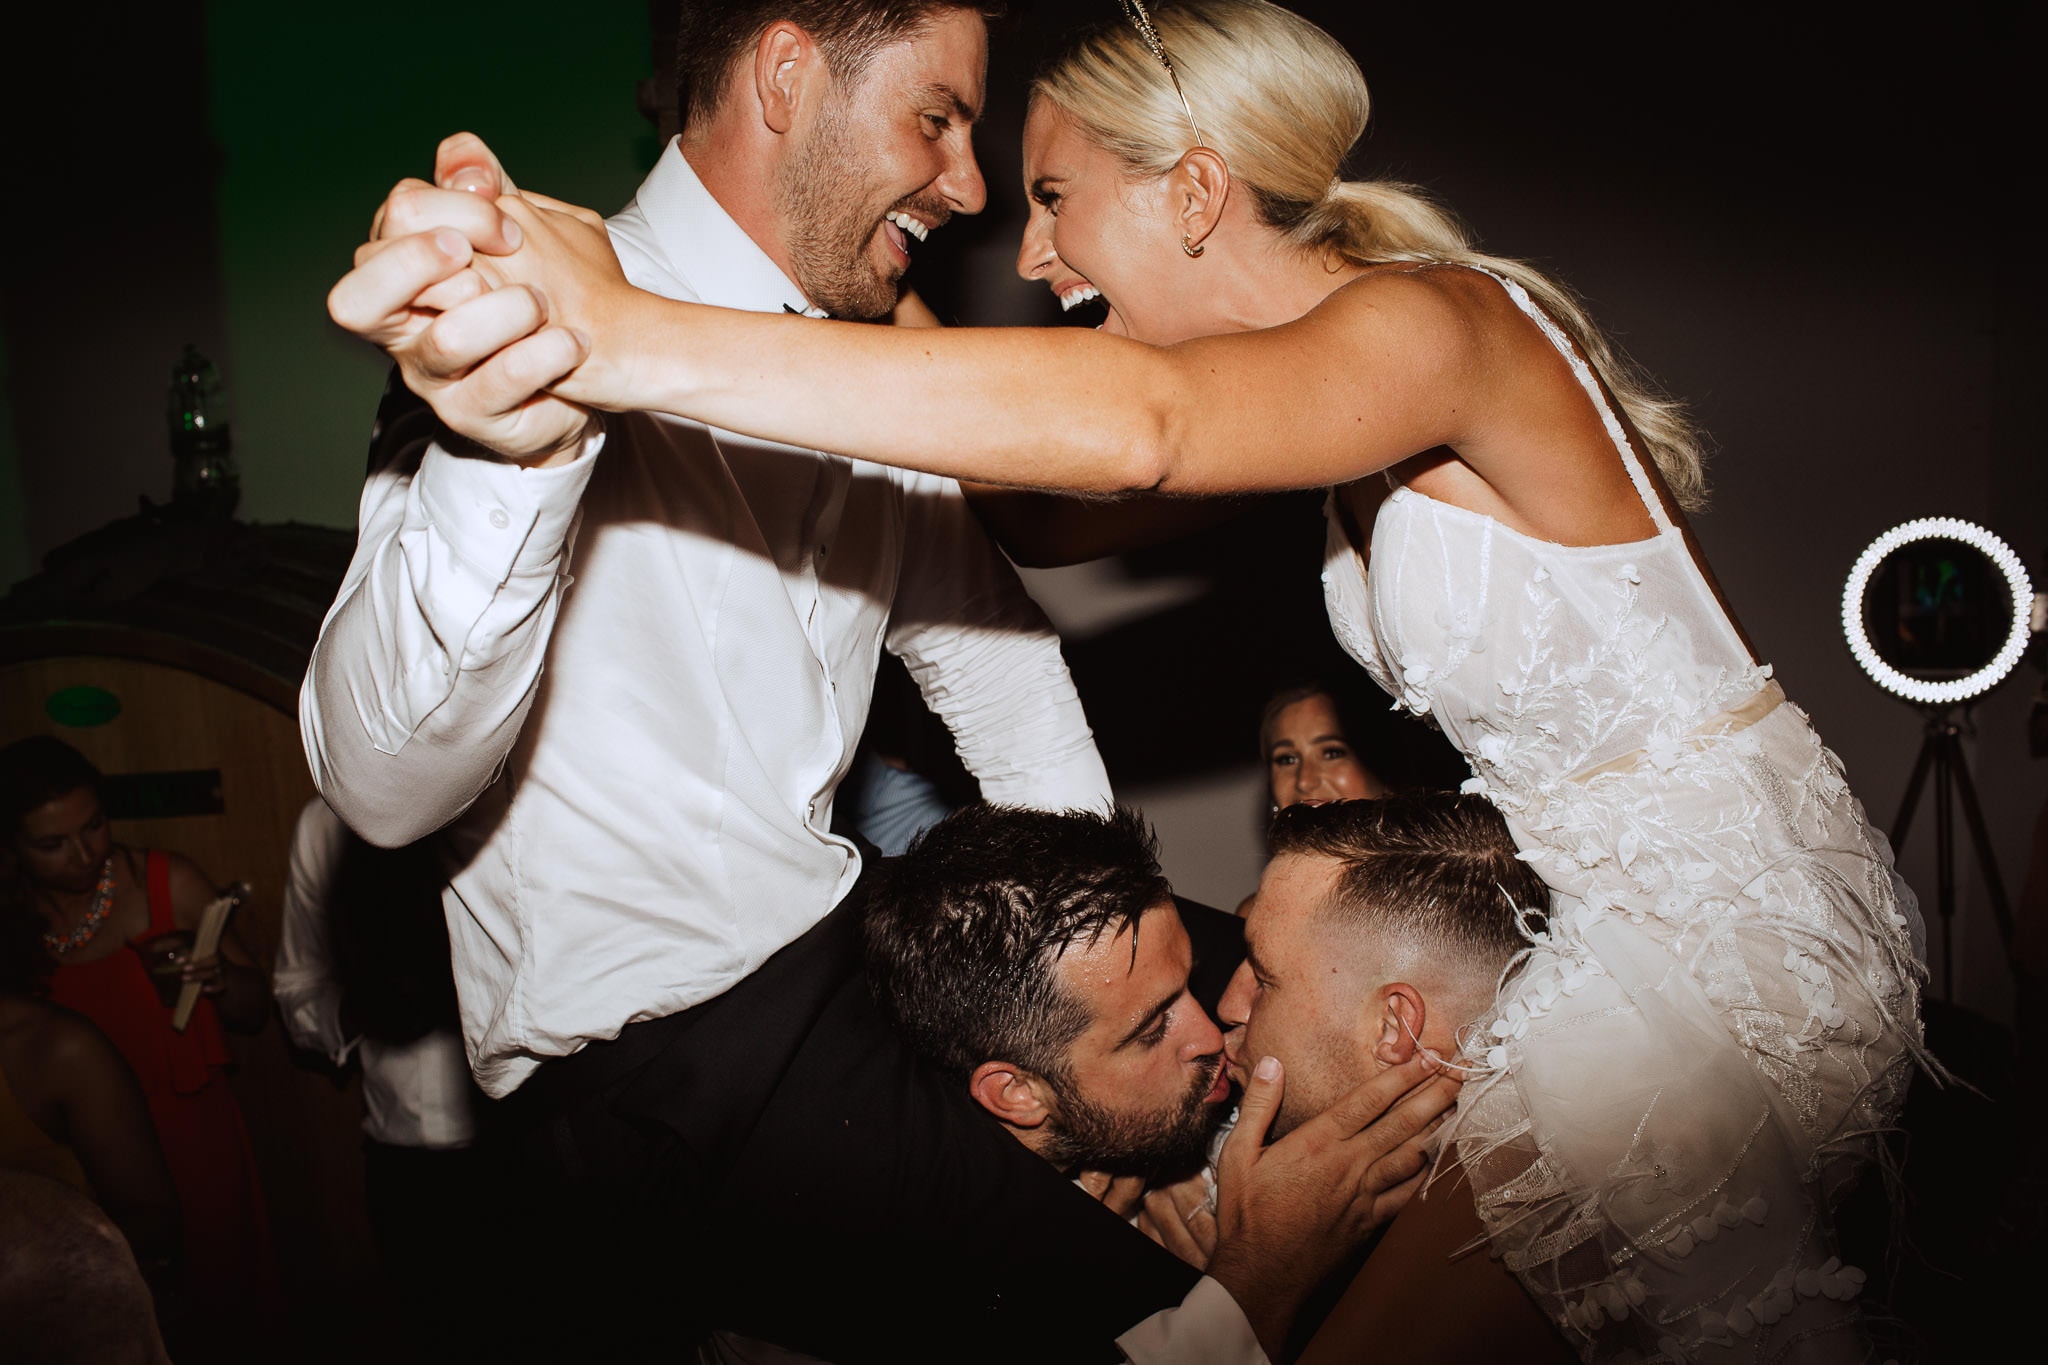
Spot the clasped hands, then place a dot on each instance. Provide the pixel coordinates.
(477, 289)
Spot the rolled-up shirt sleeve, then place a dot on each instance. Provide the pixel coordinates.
(427, 663)
(988, 662)
(1207, 1329)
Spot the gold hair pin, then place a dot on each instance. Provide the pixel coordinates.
(1134, 10)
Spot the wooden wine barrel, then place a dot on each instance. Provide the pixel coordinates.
(169, 653)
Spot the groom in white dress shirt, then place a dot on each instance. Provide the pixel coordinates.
(636, 659)
(625, 663)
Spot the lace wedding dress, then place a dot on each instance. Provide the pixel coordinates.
(1697, 1052)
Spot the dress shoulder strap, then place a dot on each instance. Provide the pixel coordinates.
(157, 871)
(1588, 381)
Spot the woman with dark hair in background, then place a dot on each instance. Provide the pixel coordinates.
(1308, 751)
(1309, 755)
(117, 926)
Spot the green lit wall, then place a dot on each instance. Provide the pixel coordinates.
(316, 112)
(194, 172)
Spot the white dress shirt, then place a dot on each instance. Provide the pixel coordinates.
(644, 763)
(415, 1094)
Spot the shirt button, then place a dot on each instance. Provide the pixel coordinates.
(499, 519)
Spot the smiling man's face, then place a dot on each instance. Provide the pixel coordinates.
(889, 158)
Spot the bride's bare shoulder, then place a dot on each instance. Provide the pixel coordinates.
(1420, 299)
(1447, 284)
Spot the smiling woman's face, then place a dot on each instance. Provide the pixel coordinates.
(1309, 759)
(1095, 232)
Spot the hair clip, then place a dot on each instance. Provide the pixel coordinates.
(1134, 10)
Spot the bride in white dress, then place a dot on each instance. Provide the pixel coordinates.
(1703, 1046)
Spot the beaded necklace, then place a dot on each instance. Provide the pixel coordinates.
(82, 932)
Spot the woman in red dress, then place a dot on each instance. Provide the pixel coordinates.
(119, 922)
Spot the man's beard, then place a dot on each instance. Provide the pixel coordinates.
(1090, 1136)
(825, 206)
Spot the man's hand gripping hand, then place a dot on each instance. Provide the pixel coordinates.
(483, 357)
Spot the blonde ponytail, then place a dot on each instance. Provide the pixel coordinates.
(1282, 102)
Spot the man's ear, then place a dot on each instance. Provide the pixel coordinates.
(1200, 185)
(1012, 1094)
(1399, 1028)
(787, 68)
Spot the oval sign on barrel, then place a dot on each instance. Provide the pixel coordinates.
(82, 708)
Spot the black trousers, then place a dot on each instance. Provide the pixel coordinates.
(776, 1162)
(430, 1214)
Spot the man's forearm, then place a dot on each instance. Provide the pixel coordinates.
(1268, 1303)
(427, 666)
(988, 663)
(391, 784)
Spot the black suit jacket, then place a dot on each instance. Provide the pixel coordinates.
(800, 1176)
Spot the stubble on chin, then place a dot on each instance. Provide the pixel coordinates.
(824, 202)
(1094, 1137)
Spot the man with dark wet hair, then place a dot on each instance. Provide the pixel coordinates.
(1040, 960)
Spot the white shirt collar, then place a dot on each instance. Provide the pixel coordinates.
(711, 253)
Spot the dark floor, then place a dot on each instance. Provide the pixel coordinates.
(1964, 1274)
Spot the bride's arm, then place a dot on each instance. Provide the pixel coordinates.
(1389, 366)
(1393, 364)
(1048, 530)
